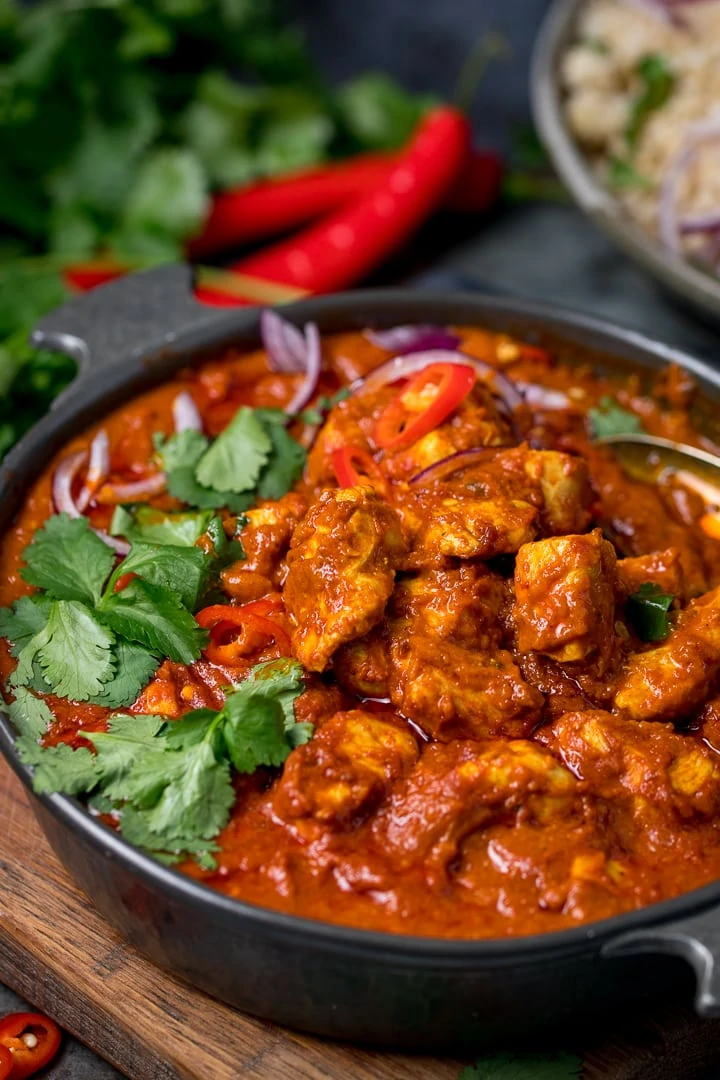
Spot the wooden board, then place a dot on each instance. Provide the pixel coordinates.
(57, 953)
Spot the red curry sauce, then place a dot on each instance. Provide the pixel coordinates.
(495, 752)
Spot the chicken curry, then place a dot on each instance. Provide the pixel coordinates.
(373, 630)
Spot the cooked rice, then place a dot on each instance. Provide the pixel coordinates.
(599, 75)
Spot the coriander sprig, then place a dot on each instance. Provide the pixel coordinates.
(169, 782)
(80, 638)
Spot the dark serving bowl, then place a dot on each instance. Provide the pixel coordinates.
(689, 284)
(332, 980)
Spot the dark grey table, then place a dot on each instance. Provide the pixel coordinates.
(545, 252)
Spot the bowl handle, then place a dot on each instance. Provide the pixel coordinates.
(137, 314)
(695, 939)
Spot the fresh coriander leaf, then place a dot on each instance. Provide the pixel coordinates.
(281, 679)
(58, 768)
(68, 560)
(378, 112)
(134, 827)
(611, 419)
(181, 450)
(179, 455)
(299, 734)
(226, 551)
(190, 729)
(135, 667)
(182, 570)
(658, 83)
(285, 466)
(236, 458)
(623, 176)
(197, 800)
(20, 623)
(317, 412)
(504, 1066)
(260, 713)
(254, 735)
(183, 485)
(159, 527)
(154, 617)
(30, 715)
(647, 610)
(169, 198)
(118, 748)
(74, 651)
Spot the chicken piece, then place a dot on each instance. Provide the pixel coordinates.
(557, 484)
(345, 769)
(662, 568)
(671, 681)
(349, 423)
(459, 525)
(466, 604)
(363, 666)
(565, 598)
(458, 788)
(341, 569)
(265, 540)
(658, 769)
(636, 517)
(457, 693)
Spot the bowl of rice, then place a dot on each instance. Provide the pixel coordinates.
(626, 95)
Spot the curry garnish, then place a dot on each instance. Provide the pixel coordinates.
(94, 633)
(254, 458)
(170, 783)
(609, 418)
(647, 610)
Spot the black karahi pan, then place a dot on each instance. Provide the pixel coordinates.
(386, 989)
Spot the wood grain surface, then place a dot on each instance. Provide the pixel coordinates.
(59, 954)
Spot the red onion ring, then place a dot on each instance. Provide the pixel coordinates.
(284, 343)
(98, 469)
(440, 470)
(133, 491)
(401, 367)
(313, 360)
(700, 223)
(664, 10)
(62, 483)
(186, 415)
(542, 397)
(670, 228)
(410, 339)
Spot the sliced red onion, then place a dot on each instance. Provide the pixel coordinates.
(284, 343)
(670, 228)
(186, 415)
(313, 361)
(666, 10)
(62, 484)
(121, 546)
(410, 339)
(542, 397)
(440, 470)
(402, 367)
(133, 491)
(98, 469)
(700, 223)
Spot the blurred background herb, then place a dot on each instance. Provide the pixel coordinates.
(119, 118)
